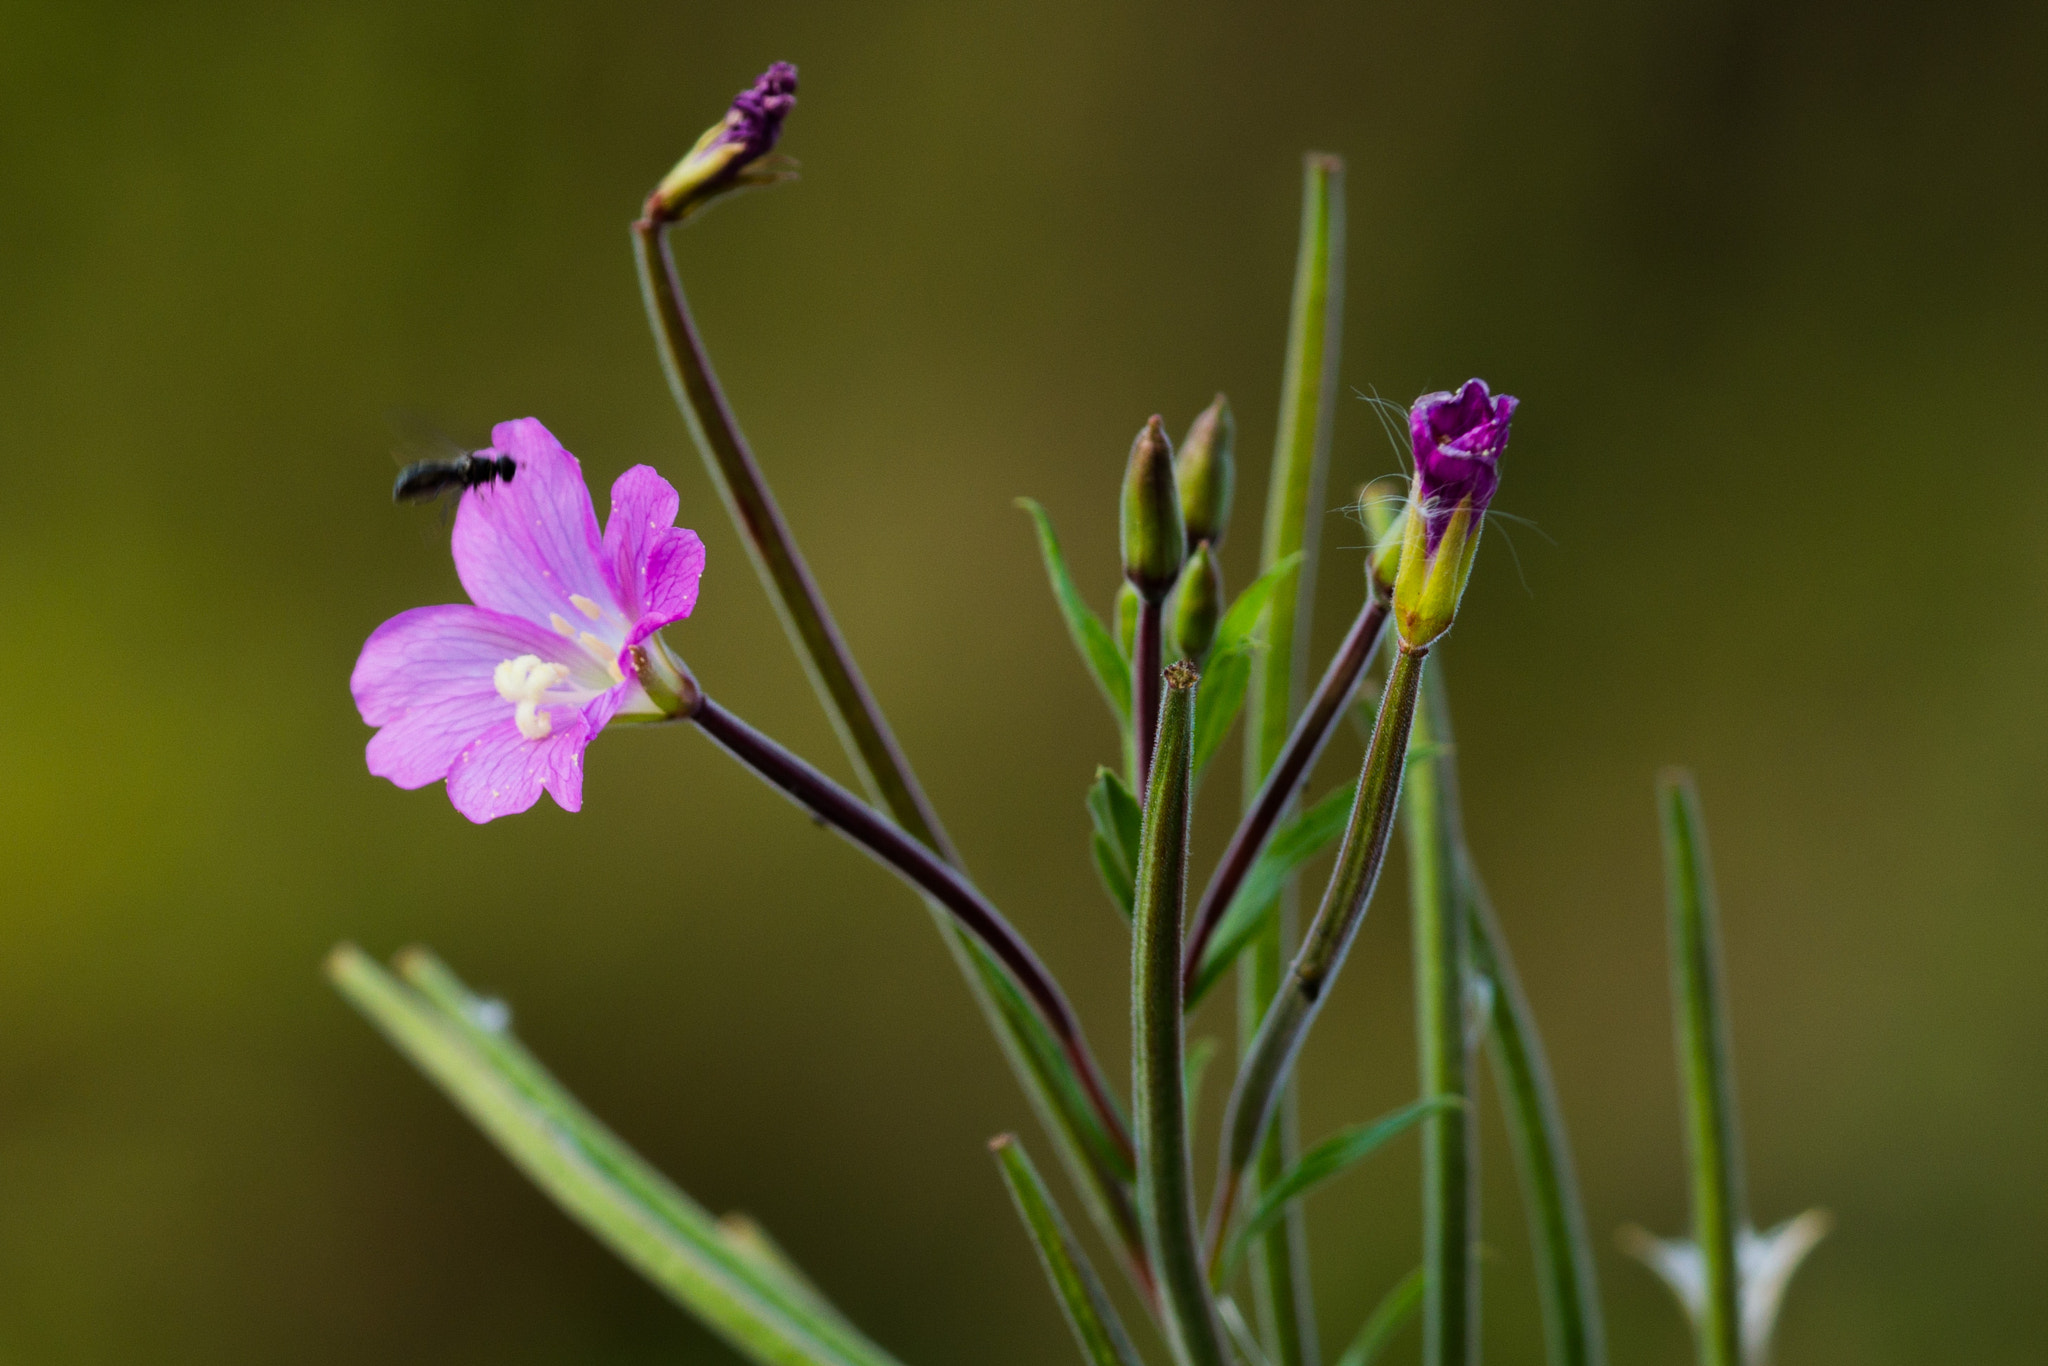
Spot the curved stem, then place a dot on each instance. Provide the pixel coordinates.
(809, 621)
(1096, 1155)
(924, 870)
(1284, 780)
(1270, 1059)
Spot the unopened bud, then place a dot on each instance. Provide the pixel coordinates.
(1382, 507)
(1154, 537)
(1206, 472)
(1200, 604)
(1457, 440)
(1126, 617)
(734, 153)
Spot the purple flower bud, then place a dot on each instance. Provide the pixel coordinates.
(734, 153)
(1457, 440)
(757, 112)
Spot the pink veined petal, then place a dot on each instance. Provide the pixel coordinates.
(433, 654)
(530, 546)
(420, 746)
(644, 505)
(501, 772)
(674, 567)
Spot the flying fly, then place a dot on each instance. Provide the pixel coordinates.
(425, 480)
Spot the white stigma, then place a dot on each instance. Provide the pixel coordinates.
(524, 682)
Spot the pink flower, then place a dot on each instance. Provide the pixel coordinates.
(501, 698)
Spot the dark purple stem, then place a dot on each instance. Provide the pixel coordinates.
(924, 870)
(1146, 667)
(1284, 779)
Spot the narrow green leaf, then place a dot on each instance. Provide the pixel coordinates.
(1705, 1067)
(1106, 663)
(745, 1236)
(1567, 1285)
(1388, 1318)
(1240, 625)
(1294, 512)
(1294, 844)
(1224, 680)
(1114, 813)
(1332, 1157)
(581, 1167)
(1116, 878)
(1088, 1310)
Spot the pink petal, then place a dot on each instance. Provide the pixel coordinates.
(644, 505)
(425, 676)
(674, 567)
(430, 653)
(501, 772)
(528, 547)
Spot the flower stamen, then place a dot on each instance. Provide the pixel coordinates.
(524, 681)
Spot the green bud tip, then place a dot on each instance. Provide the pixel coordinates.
(1154, 536)
(1382, 507)
(1200, 604)
(1206, 471)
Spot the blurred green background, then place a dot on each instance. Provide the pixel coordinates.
(1768, 278)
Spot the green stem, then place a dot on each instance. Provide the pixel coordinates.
(1283, 783)
(1294, 503)
(1055, 1093)
(1097, 1329)
(1270, 1060)
(1166, 1196)
(1450, 1186)
(1704, 1063)
(1572, 1326)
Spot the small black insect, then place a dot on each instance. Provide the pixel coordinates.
(425, 480)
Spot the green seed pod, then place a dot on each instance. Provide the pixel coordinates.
(1200, 605)
(1206, 472)
(1154, 537)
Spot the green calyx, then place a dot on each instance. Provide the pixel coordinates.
(1154, 535)
(1427, 586)
(1206, 473)
(713, 169)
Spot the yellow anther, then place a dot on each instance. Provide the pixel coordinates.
(586, 606)
(561, 623)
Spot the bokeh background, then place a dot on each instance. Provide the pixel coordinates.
(1768, 277)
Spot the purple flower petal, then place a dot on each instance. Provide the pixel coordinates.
(431, 654)
(674, 568)
(757, 112)
(427, 679)
(501, 772)
(530, 547)
(1457, 440)
(655, 564)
